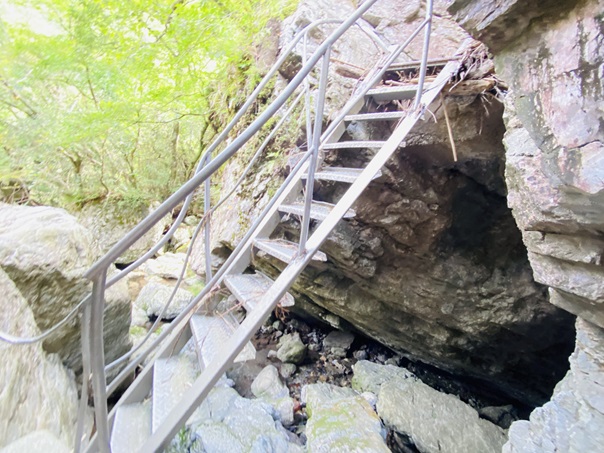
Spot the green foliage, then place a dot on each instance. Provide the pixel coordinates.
(111, 99)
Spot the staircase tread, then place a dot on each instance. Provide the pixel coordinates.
(319, 210)
(212, 332)
(435, 63)
(249, 289)
(391, 93)
(172, 377)
(376, 116)
(284, 250)
(342, 174)
(354, 144)
(131, 427)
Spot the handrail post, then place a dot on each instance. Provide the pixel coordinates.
(316, 138)
(207, 232)
(422, 70)
(85, 341)
(97, 359)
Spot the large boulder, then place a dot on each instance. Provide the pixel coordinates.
(436, 422)
(38, 392)
(341, 420)
(45, 252)
(109, 222)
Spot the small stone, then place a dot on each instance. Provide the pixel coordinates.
(291, 349)
(361, 354)
(272, 354)
(278, 325)
(338, 339)
(278, 334)
(268, 384)
(287, 370)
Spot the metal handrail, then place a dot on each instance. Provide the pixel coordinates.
(204, 221)
(206, 168)
(236, 253)
(15, 340)
(97, 273)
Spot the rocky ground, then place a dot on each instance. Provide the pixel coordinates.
(330, 358)
(305, 374)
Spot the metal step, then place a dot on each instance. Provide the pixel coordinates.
(436, 63)
(391, 93)
(319, 210)
(172, 377)
(341, 174)
(377, 116)
(249, 289)
(131, 427)
(212, 332)
(354, 145)
(282, 250)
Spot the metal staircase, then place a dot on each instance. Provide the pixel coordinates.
(192, 355)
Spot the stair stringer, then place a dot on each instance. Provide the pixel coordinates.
(204, 383)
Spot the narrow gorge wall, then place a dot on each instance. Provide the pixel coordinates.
(552, 56)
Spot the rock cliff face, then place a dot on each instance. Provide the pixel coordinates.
(433, 265)
(551, 54)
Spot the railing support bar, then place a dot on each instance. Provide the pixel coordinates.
(85, 341)
(207, 232)
(145, 225)
(97, 359)
(316, 138)
(422, 70)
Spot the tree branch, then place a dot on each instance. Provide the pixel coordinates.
(32, 113)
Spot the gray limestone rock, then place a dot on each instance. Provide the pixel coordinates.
(268, 384)
(338, 342)
(226, 420)
(45, 252)
(38, 392)
(154, 296)
(287, 370)
(291, 349)
(168, 266)
(109, 222)
(369, 376)
(436, 422)
(340, 420)
(314, 395)
(269, 388)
